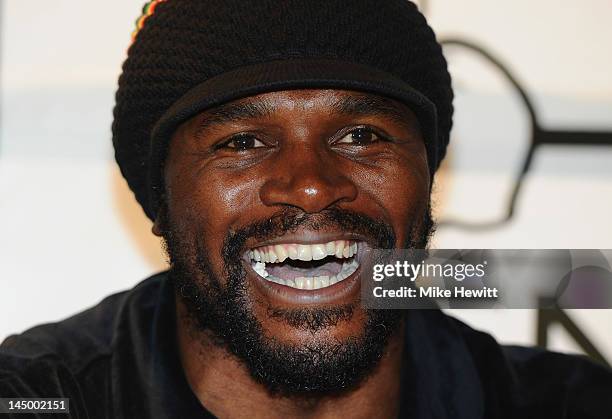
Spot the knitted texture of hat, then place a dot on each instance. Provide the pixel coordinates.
(187, 42)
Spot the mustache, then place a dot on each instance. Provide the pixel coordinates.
(290, 219)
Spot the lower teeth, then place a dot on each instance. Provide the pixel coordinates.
(309, 283)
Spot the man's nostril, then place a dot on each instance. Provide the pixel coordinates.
(311, 192)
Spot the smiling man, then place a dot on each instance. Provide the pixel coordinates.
(273, 143)
(270, 203)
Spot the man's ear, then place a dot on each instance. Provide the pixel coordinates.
(159, 222)
(157, 228)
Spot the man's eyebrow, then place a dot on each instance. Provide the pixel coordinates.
(235, 112)
(353, 105)
(366, 105)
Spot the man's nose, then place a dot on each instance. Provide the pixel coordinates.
(308, 180)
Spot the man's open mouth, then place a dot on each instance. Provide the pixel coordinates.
(306, 266)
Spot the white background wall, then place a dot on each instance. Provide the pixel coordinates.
(70, 232)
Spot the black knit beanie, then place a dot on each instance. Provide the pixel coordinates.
(190, 55)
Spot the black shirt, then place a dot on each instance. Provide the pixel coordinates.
(120, 360)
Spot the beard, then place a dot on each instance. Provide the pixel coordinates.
(220, 306)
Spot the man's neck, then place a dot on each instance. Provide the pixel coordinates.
(225, 388)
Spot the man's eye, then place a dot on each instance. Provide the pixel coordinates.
(360, 136)
(243, 142)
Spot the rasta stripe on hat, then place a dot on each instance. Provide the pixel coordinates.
(192, 55)
(147, 10)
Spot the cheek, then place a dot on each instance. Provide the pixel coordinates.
(399, 188)
(211, 200)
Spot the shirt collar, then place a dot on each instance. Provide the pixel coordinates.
(439, 378)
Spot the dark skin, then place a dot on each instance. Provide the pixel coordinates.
(306, 149)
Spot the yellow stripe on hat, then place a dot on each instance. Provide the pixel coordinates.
(147, 10)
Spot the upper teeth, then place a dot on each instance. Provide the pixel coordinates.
(342, 249)
(280, 252)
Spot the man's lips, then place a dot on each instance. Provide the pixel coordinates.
(307, 271)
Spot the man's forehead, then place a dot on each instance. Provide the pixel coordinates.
(329, 101)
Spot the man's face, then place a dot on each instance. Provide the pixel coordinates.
(271, 202)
